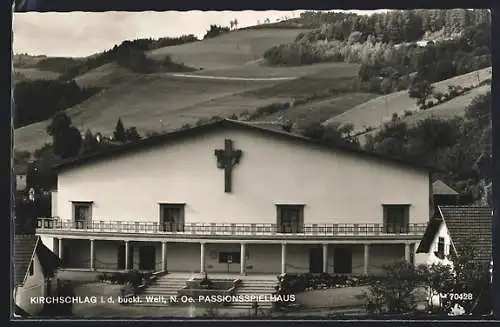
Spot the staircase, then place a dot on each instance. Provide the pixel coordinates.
(255, 287)
(167, 286)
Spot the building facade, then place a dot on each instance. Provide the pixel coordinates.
(234, 197)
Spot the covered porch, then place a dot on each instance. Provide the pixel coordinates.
(232, 257)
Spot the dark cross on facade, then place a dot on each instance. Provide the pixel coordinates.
(227, 159)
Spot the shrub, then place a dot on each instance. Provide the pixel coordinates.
(394, 291)
(430, 104)
(408, 113)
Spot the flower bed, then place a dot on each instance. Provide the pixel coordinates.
(296, 283)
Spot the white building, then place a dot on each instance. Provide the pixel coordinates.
(240, 198)
(455, 227)
(34, 267)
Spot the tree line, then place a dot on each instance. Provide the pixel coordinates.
(39, 100)
(386, 67)
(394, 26)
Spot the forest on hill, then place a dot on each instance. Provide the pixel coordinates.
(385, 45)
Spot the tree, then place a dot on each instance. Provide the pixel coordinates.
(119, 133)
(394, 291)
(421, 90)
(132, 135)
(216, 30)
(89, 142)
(66, 138)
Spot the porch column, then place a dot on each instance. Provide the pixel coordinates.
(243, 259)
(283, 258)
(164, 256)
(366, 253)
(202, 257)
(325, 258)
(60, 248)
(92, 254)
(127, 264)
(407, 252)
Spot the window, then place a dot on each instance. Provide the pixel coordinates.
(229, 257)
(290, 218)
(396, 218)
(440, 249)
(82, 213)
(31, 268)
(172, 217)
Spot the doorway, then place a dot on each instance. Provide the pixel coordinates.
(342, 260)
(316, 260)
(147, 257)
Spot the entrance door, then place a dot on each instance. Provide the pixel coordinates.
(316, 260)
(66, 257)
(342, 260)
(147, 257)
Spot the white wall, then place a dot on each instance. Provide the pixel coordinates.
(20, 182)
(34, 286)
(53, 199)
(335, 187)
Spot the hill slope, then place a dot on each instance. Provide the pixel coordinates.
(379, 110)
(228, 50)
(165, 101)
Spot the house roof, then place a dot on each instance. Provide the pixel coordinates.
(440, 188)
(429, 235)
(470, 225)
(467, 225)
(272, 131)
(25, 248)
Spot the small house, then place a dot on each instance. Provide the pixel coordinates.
(34, 267)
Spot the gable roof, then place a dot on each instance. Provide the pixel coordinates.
(470, 225)
(429, 235)
(440, 188)
(467, 225)
(25, 248)
(272, 131)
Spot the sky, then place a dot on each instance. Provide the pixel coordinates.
(79, 34)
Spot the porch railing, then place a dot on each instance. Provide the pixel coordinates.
(228, 229)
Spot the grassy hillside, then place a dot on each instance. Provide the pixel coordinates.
(227, 50)
(163, 101)
(318, 111)
(380, 109)
(30, 74)
(105, 76)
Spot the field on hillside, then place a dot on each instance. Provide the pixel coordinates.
(227, 50)
(447, 110)
(151, 103)
(450, 109)
(163, 102)
(319, 111)
(380, 109)
(336, 76)
(258, 69)
(105, 76)
(34, 74)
